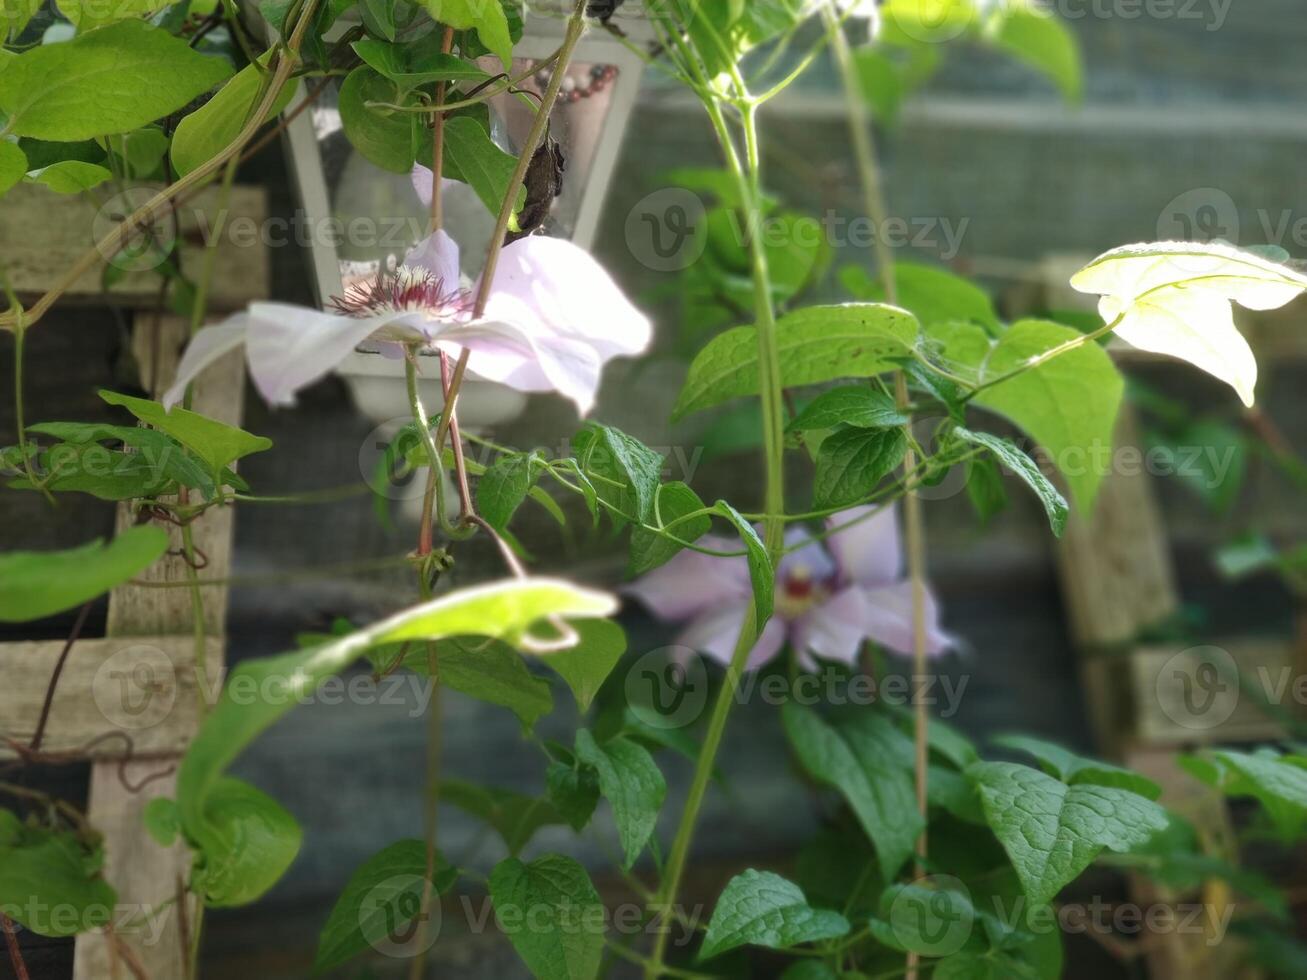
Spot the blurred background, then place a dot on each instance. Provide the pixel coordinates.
(1192, 118)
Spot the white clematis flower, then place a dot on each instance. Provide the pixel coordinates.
(553, 320)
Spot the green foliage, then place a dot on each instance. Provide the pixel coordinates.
(50, 880)
(70, 176)
(514, 816)
(760, 908)
(389, 138)
(552, 915)
(932, 294)
(1073, 769)
(852, 462)
(473, 157)
(110, 80)
(574, 792)
(503, 487)
(1016, 460)
(492, 672)
(862, 756)
(816, 344)
(413, 65)
(486, 17)
(631, 782)
(673, 502)
(762, 576)
(208, 130)
(628, 472)
(1051, 830)
(13, 164)
(217, 444)
(859, 406)
(382, 897)
(587, 665)
(259, 692)
(35, 584)
(1278, 782)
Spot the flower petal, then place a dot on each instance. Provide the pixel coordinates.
(421, 177)
(715, 633)
(290, 347)
(549, 286)
(692, 582)
(206, 347)
(836, 629)
(437, 253)
(505, 353)
(808, 555)
(867, 552)
(888, 620)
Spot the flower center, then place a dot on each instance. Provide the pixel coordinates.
(797, 592)
(403, 289)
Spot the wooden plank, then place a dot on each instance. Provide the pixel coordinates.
(143, 873)
(142, 686)
(1212, 694)
(43, 234)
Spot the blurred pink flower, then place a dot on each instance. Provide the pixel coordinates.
(554, 319)
(829, 598)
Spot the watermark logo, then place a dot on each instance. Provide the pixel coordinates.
(666, 230)
(933, 915)
(392, 921)
(1198, 688)
(146, 246)
(668, 687)
(136, 687)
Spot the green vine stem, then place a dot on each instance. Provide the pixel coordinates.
(747, 174)
(864, 149)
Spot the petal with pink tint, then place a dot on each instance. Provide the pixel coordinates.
(505, 353)
(809, 558)
(888, 620)
(716, 632)
(421, 177)
(693, 582)
(550, 286)
(835, 630)
(290, 347)
(867, 552)
(439, 255)
(206, 347)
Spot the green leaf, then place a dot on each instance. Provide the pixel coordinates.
(14, 15)
(139, 152)
(111, 80)
(70, 176)
(862, 756)
(159, 451)
(672, 502)
(985, 488)
(385, 137)
(852, 462)
(759, 908)
(1280, 786)
(1011, 456)
(382, 897)
(762, 576)
(208, 130)
(1075, 769)
(503, 487)
(247, 844)
(1042, 40)
(926, 919)
(622, 460)
(1174, 298)
(816, 344)
(514, 816)
(162, 821)
(87, 15)
(552, 915)
(13, 164)
(1051, 831)
(36, 584)
(474, 158)
(1068, 403)
(495, 673)
(574, 791)
(216, 443)
(258, 692)
(860, 406)
(487, 17)
(631, 782)
(50, 882)
(933, 294)
(411, 66)
(587, 665)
